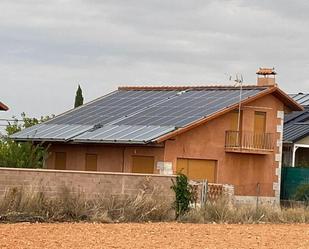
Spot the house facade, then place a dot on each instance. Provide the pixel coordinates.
(229, 135)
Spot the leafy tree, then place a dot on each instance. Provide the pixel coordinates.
(26, 122)
(22, 154)
(79, 99)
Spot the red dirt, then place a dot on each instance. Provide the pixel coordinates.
(153, 235)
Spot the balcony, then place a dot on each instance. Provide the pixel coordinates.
(249, 142)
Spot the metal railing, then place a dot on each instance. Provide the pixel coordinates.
(246, 140)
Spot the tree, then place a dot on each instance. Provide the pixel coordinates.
(15, 126)
(22, 154)
(79, 99)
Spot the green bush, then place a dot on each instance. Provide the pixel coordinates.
(302, 193)
(183, 193)
(22, 155)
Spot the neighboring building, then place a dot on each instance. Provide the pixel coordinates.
(296, 135)
(3, 107)
(198, 130)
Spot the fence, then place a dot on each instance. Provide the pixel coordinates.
(211, 191)
(245, 140)
(91, 184)
(291, 179)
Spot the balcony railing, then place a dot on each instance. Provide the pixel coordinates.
(249, 142)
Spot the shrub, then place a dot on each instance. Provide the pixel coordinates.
(183, 194)
(22, 155)
(302, 193)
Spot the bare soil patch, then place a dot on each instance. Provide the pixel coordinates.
(153, 235)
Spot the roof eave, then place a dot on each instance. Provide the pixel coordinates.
(3, 107)
(287, 100)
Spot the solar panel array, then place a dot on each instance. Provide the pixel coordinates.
(137, 115)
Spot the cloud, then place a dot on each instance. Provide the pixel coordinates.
(48, 47)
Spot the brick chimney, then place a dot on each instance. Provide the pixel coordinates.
(266, 77)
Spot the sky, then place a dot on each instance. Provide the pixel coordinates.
(47, 48)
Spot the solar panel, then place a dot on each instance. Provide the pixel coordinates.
(130, 112)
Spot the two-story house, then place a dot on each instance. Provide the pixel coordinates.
(226, 134)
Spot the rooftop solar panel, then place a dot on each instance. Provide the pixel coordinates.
(129, 112)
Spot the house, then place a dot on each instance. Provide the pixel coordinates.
(296, 134)
(225, 134)
(3, 107)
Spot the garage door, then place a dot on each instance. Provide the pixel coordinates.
(143, 164)
(197, 169)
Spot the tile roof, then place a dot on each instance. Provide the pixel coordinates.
(3, 107)
(296, 126)
(301, 98)
(266, 71)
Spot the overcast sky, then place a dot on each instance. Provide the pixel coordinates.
(47, 48)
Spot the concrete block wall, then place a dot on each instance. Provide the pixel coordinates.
(91, 184)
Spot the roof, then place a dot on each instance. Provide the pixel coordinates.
(301, 98)
(3, 107)
(266, 71)
(296, 124)
(145, 114)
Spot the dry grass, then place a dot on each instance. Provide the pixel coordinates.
(222, 211)
(21, 204)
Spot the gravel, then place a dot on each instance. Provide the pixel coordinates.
(153, 235)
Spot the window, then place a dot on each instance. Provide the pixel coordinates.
(91, 162)
(60, 160)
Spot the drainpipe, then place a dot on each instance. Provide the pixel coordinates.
(295, 147)
(123, 150)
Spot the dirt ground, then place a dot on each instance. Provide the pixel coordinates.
(152, 235)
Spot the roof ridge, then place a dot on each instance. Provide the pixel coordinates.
(181, 88)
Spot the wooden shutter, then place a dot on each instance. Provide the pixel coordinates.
(91, 162)
(60, 160)
(259, 122)
(198, 169)
(142, 164)
(234, 120)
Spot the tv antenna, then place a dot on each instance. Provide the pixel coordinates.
(238, 82)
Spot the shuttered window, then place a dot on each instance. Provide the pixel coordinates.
(60, 160)
(91, 162)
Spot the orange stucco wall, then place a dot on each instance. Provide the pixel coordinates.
(110, 158)
(242, 170)
(207, 141)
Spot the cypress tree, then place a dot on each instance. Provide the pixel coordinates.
(79, 99)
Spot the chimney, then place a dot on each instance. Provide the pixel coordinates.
(266, 77)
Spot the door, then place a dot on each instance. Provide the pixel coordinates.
(259, 129)
(197, 169)
(142, 164)
(91, 162)
(60, 160)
